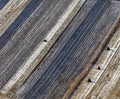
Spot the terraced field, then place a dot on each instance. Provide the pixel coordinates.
(48, 48)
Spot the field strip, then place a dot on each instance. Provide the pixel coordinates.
(108, 86)
(95, 74)
(10, 12)
(27, 67)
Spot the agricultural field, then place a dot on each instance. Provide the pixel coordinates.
(59, 49)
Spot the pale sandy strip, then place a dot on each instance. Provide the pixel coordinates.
(95, 74)
(33, 59)
(10, 12)
(110, 85)
(62, 19)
